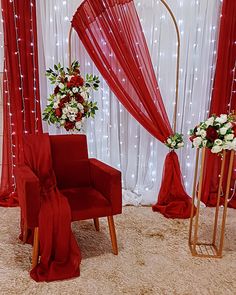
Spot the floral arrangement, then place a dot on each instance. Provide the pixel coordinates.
(216, 133)
(69, 104)
(175, 141)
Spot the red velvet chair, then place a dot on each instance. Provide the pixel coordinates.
(93, 188)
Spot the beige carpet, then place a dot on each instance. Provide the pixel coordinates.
(154, 258)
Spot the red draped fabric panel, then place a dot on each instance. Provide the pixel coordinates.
(21, 107)
(112, 34)
(223, 98)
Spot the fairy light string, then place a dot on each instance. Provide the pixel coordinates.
(35, 101)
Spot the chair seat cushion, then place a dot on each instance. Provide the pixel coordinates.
(87, 203)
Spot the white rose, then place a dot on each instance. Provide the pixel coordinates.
(198, 131)
(75, 110)
(55, 105)
(229, 145)
(203, 133)
(218, 142)
(80, 106)
(234, 144)
(181, 144)
(173, 144)
(65, 111)
(169, 141)
(204, 142)
(75, 89)
(70, 109)
(216, 149)
(78, 125)
(84, 95)
(222, 119)
(72, 117)
(68, 77)
(61, 86)
(64, 116)
(228, 125)
(210, 121)
(223, 130)
(229, 137)
(197, 141)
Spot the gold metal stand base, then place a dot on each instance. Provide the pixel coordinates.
(205, 250)
(213, 249)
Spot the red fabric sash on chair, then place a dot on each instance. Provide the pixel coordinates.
(60, 254)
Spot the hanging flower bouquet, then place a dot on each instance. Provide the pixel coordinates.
(216, 133)
(69, 105)
(175, 141)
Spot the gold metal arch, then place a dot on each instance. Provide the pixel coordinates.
(177, 63)
(69, 41)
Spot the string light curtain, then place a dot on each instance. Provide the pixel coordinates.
(112, 34)
(223, 99)
(21, 107)
(114, 136)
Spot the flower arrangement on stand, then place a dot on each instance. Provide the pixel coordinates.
(217, 133)
(69, 105)
(175, 141)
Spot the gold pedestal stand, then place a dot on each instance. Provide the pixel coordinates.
(213, 249)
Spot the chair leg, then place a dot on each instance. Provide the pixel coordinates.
(35, 254)
(25, 232)
(96, 223)
(112, 234)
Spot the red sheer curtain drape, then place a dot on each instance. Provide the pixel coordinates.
(112, 34)
(223, 97)
(60, 254)
(21, 107)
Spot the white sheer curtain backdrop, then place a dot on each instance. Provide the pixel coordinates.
(114, 136)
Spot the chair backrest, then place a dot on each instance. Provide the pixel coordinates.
(70, 160)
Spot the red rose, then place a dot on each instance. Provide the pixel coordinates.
(79, 98)
(75, 81)
(63, 101)
(192, 137)
(79, 117)
(58, 112)
(211, 134)
(80, 81)
(69, 125)
(56, 90)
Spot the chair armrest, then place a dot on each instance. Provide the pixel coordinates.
(107, 181)
(28, 190)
